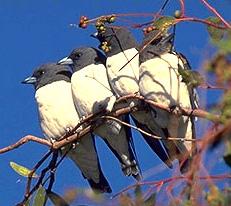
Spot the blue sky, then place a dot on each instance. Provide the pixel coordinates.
(37, 32)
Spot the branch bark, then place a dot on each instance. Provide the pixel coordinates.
(24, 140)
(212, 9)
(92, 121)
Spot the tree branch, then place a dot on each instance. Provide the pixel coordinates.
(213, 10)
(148, 134)
(168, 180)
(204, 21)
(182, 8)
(92, 121)
(24, 140)
(184, 111)
(29, 179)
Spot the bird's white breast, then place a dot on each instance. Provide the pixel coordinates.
(161, 82)
(91, 90)
(124, 79)
(56, 109)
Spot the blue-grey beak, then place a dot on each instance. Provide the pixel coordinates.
(95, 35)
(29, 80)
(65, 61)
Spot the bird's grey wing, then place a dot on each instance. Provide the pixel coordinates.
(154, 144)
(84, 155)
(131, 148)
(118, 142)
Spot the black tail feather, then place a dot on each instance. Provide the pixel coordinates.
(155, 144)
(102, 186)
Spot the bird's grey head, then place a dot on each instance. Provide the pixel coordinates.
(82, 57)
(118, 39)
(48, 73)
(155, 43)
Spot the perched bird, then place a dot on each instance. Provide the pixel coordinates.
(122, 65)
(160, 80)
(92, 94)
(57, 115)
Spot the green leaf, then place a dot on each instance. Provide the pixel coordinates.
(56, 199)
(125, 200)
(227, 194)
(71, 194)
(214, 197)
(215, 33)
(138, 191)
(21, 170)
(163, 23)
(224, 45)
(138, 196)
(187, 203)
(151, 201)
(40, 197)
(227, 156)
(27, 203)
(190, 77)
(94, 195)
(226, 110)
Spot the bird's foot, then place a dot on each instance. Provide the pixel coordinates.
(131, 169)
(176, 110)
(82, 118)
(69, 131)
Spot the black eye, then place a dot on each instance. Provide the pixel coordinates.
(79, 55)
(40, 73)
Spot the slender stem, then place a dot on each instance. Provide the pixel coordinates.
(148, 134)
(213, 10)
(182, 8)
(24, 140)
(40, 162)
(200, 21)
(168, 180)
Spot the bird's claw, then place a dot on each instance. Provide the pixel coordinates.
(82, 118)
(69, 131)
(176, 110)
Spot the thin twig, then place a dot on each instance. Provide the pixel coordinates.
(161, 9)
(182, 8)
(24, 140)
(148, 134)
(52, 167)
(184, 111)
(88, 128)
(168, 180)
(193, 19)
(39, 163)
(212, 137)
(40, 180)
(213, 10)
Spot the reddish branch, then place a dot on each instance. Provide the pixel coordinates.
(212, 9)
(93, 118)
(184, 111)
(29, 179)
(146, 133)
(204, 21)
(51, 167)
(168, 180)
(24, 140)
(212, 136)
(182, 8)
